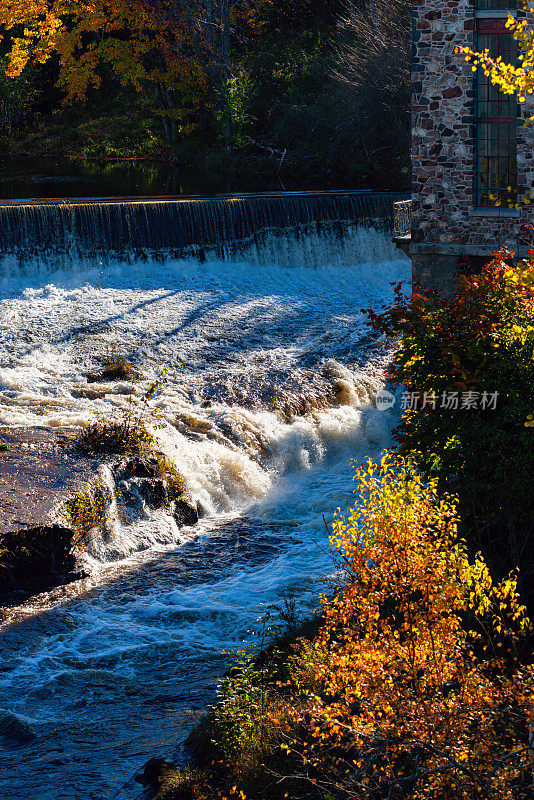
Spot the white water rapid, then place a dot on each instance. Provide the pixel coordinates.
(266, 377)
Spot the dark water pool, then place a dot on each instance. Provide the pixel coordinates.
(22, 178)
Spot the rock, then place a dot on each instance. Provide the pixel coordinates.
(37, 558)
(201, 511)
(137, 468)
(154, 772)
(141, 475)
(14, 727)
(157, 483)
(93, 377)
(184, 512)
(153, 491)
(39, 471)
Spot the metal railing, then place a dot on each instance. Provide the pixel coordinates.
(402, 218)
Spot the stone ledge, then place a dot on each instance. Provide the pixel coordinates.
(496, 13)
(453, 249)
(39, 471)
(495, 212)
(403, 243)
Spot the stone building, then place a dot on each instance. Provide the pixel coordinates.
(468, 142)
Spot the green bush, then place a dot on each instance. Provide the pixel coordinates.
(115, 367)
(481, 341)
(84, 511)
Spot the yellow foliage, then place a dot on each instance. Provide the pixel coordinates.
(515, 79)
(414, 679)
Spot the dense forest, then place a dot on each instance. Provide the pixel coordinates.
(315, 90)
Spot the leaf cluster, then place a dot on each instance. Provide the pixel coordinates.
(516, 78)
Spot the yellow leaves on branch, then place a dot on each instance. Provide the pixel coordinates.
(511, 79)
(41, 29)
(415, 670)
(139, 40)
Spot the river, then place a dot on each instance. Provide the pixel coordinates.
(267, 375)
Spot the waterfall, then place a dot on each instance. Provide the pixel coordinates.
(110, 228)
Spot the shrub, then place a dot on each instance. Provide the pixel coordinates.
(481, 341)
(243, 726)
(84, 511)
(116, 367)
(414, 683)
(125, 434)
(414, 686)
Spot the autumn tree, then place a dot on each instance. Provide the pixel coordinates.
(180, 48)
(419, 682)
(477, 344)
(415, 675)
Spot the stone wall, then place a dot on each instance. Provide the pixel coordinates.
(445, 218)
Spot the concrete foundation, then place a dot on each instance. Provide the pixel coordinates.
(435, 271)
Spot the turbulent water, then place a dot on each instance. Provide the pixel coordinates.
(266, 376)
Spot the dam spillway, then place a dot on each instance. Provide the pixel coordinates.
(180, 225)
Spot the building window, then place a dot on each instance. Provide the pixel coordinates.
(496, 115)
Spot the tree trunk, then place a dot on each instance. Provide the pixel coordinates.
(172, 122)
(164, 117)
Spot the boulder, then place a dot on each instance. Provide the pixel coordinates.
(153, 491)
(154, 772)
(37, 558)
(184, 512)
(14, 727)
(41, 469)
(137, 467)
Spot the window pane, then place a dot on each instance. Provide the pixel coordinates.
(491, 102)
(497, 158)
(496, 126)
(494, 5)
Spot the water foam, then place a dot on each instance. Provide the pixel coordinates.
(263, 363)
(269, 395)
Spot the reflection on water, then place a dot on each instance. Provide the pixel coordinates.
(49, 177)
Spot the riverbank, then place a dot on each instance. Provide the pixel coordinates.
(341, 706)
(107, 132)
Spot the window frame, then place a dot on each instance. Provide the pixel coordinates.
(488, 128)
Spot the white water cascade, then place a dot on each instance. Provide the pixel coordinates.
(266, 376)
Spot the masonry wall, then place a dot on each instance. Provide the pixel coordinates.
(446, 221)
